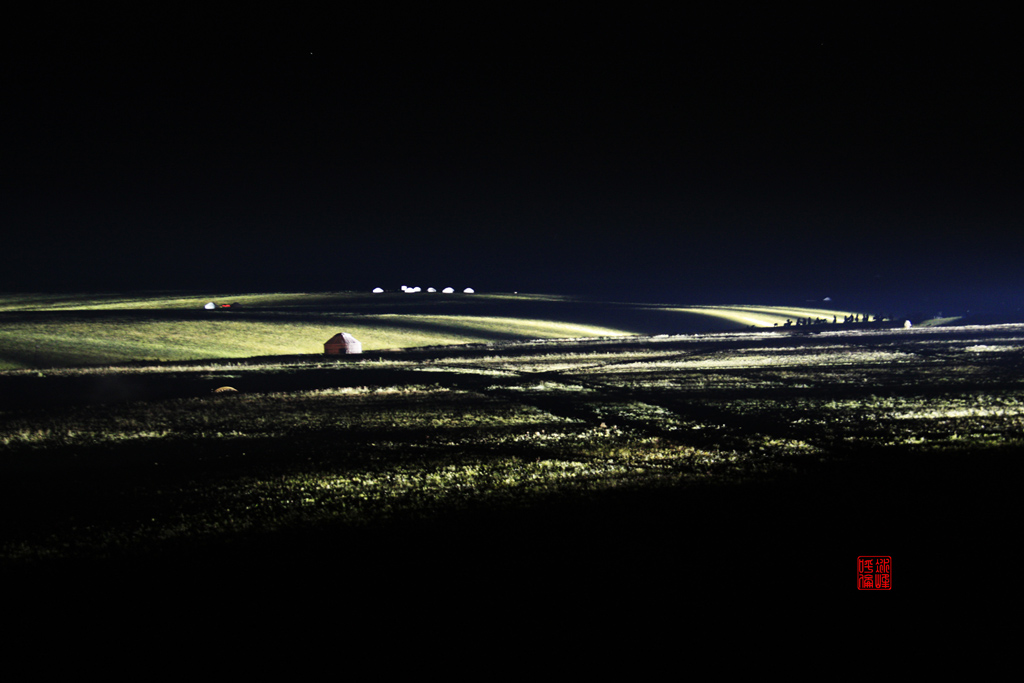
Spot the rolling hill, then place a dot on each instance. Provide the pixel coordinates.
(40, 330)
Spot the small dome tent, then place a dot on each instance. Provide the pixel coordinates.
(341, 344)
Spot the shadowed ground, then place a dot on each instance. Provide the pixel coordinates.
(761, 463)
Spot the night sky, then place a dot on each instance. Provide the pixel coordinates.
(709, 157)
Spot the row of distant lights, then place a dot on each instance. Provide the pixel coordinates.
(414, 290)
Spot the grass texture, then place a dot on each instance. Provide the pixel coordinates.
(41, 331)
(110, 462)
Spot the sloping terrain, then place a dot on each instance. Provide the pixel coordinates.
(57, 331)
(697, 458)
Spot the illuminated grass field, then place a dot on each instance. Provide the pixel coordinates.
(40, 331)
(720, 446)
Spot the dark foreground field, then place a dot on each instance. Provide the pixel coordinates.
(635, 469)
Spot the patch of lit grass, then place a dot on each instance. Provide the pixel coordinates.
(59, 332)
(358, 444)
(763, 316)
(351, 456)
(85, 341)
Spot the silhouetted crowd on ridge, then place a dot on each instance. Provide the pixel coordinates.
(854, 318)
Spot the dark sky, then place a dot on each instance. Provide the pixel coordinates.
(701, 157)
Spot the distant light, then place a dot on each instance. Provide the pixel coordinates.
(448, 290)
(210, 306)
(907, 324)
(431, 289)
(378, 290)
(468, 290)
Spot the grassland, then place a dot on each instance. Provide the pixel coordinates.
(613, 455)
(43, 331)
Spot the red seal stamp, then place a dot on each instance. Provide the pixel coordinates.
(874, 573)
